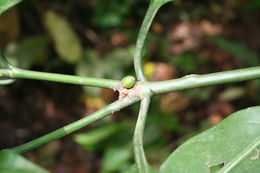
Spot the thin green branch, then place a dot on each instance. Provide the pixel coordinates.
(139, 153)
(12, 72)
(113, 107)
(194, 80)
(152, 10)
(79, 80)
(149, 16)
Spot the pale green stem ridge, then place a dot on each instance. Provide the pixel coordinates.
(139, 153)
(194, 80)
(113, 107)
(78, 80)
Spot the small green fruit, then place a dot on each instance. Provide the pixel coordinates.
(128, 82)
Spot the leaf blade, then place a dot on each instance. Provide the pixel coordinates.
(6, 4)
(240, 157)
(221, 144)
(10, 162)
(66, 42)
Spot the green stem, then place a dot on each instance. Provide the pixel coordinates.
(79, 80)
(149, 16)
(140, 158)
(152, 10)
(194, 81)
(113, 107)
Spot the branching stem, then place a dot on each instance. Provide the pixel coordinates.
(195, 81)
(149, 16)
(113, 107)
(139, 153)
(147, 89)
(152, 10)
(15, 73)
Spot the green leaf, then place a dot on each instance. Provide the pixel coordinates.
(6, 4)
(11, 162)
(92, 66)
(133, 169)
(92, 140)
(27, 52)
(116, 158)
(112, 13)
(118, 59)
(237, 49)
(66, 42)
(230, 146)
(232, 93)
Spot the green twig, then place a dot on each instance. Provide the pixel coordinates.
(113, 107)
(139, 153)
(194, 80)
(149, 16)
(79, 80)
(152, 10)
(12, 72)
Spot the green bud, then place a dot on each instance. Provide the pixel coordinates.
(128, 81)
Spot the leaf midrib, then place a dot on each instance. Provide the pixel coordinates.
(240, 157)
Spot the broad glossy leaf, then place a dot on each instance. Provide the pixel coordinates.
(11, 162)
(230, 146)
(6, 4)
(66, 42)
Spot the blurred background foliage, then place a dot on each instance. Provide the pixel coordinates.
(96, 38)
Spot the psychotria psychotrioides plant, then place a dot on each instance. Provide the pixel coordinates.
(231, 146)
